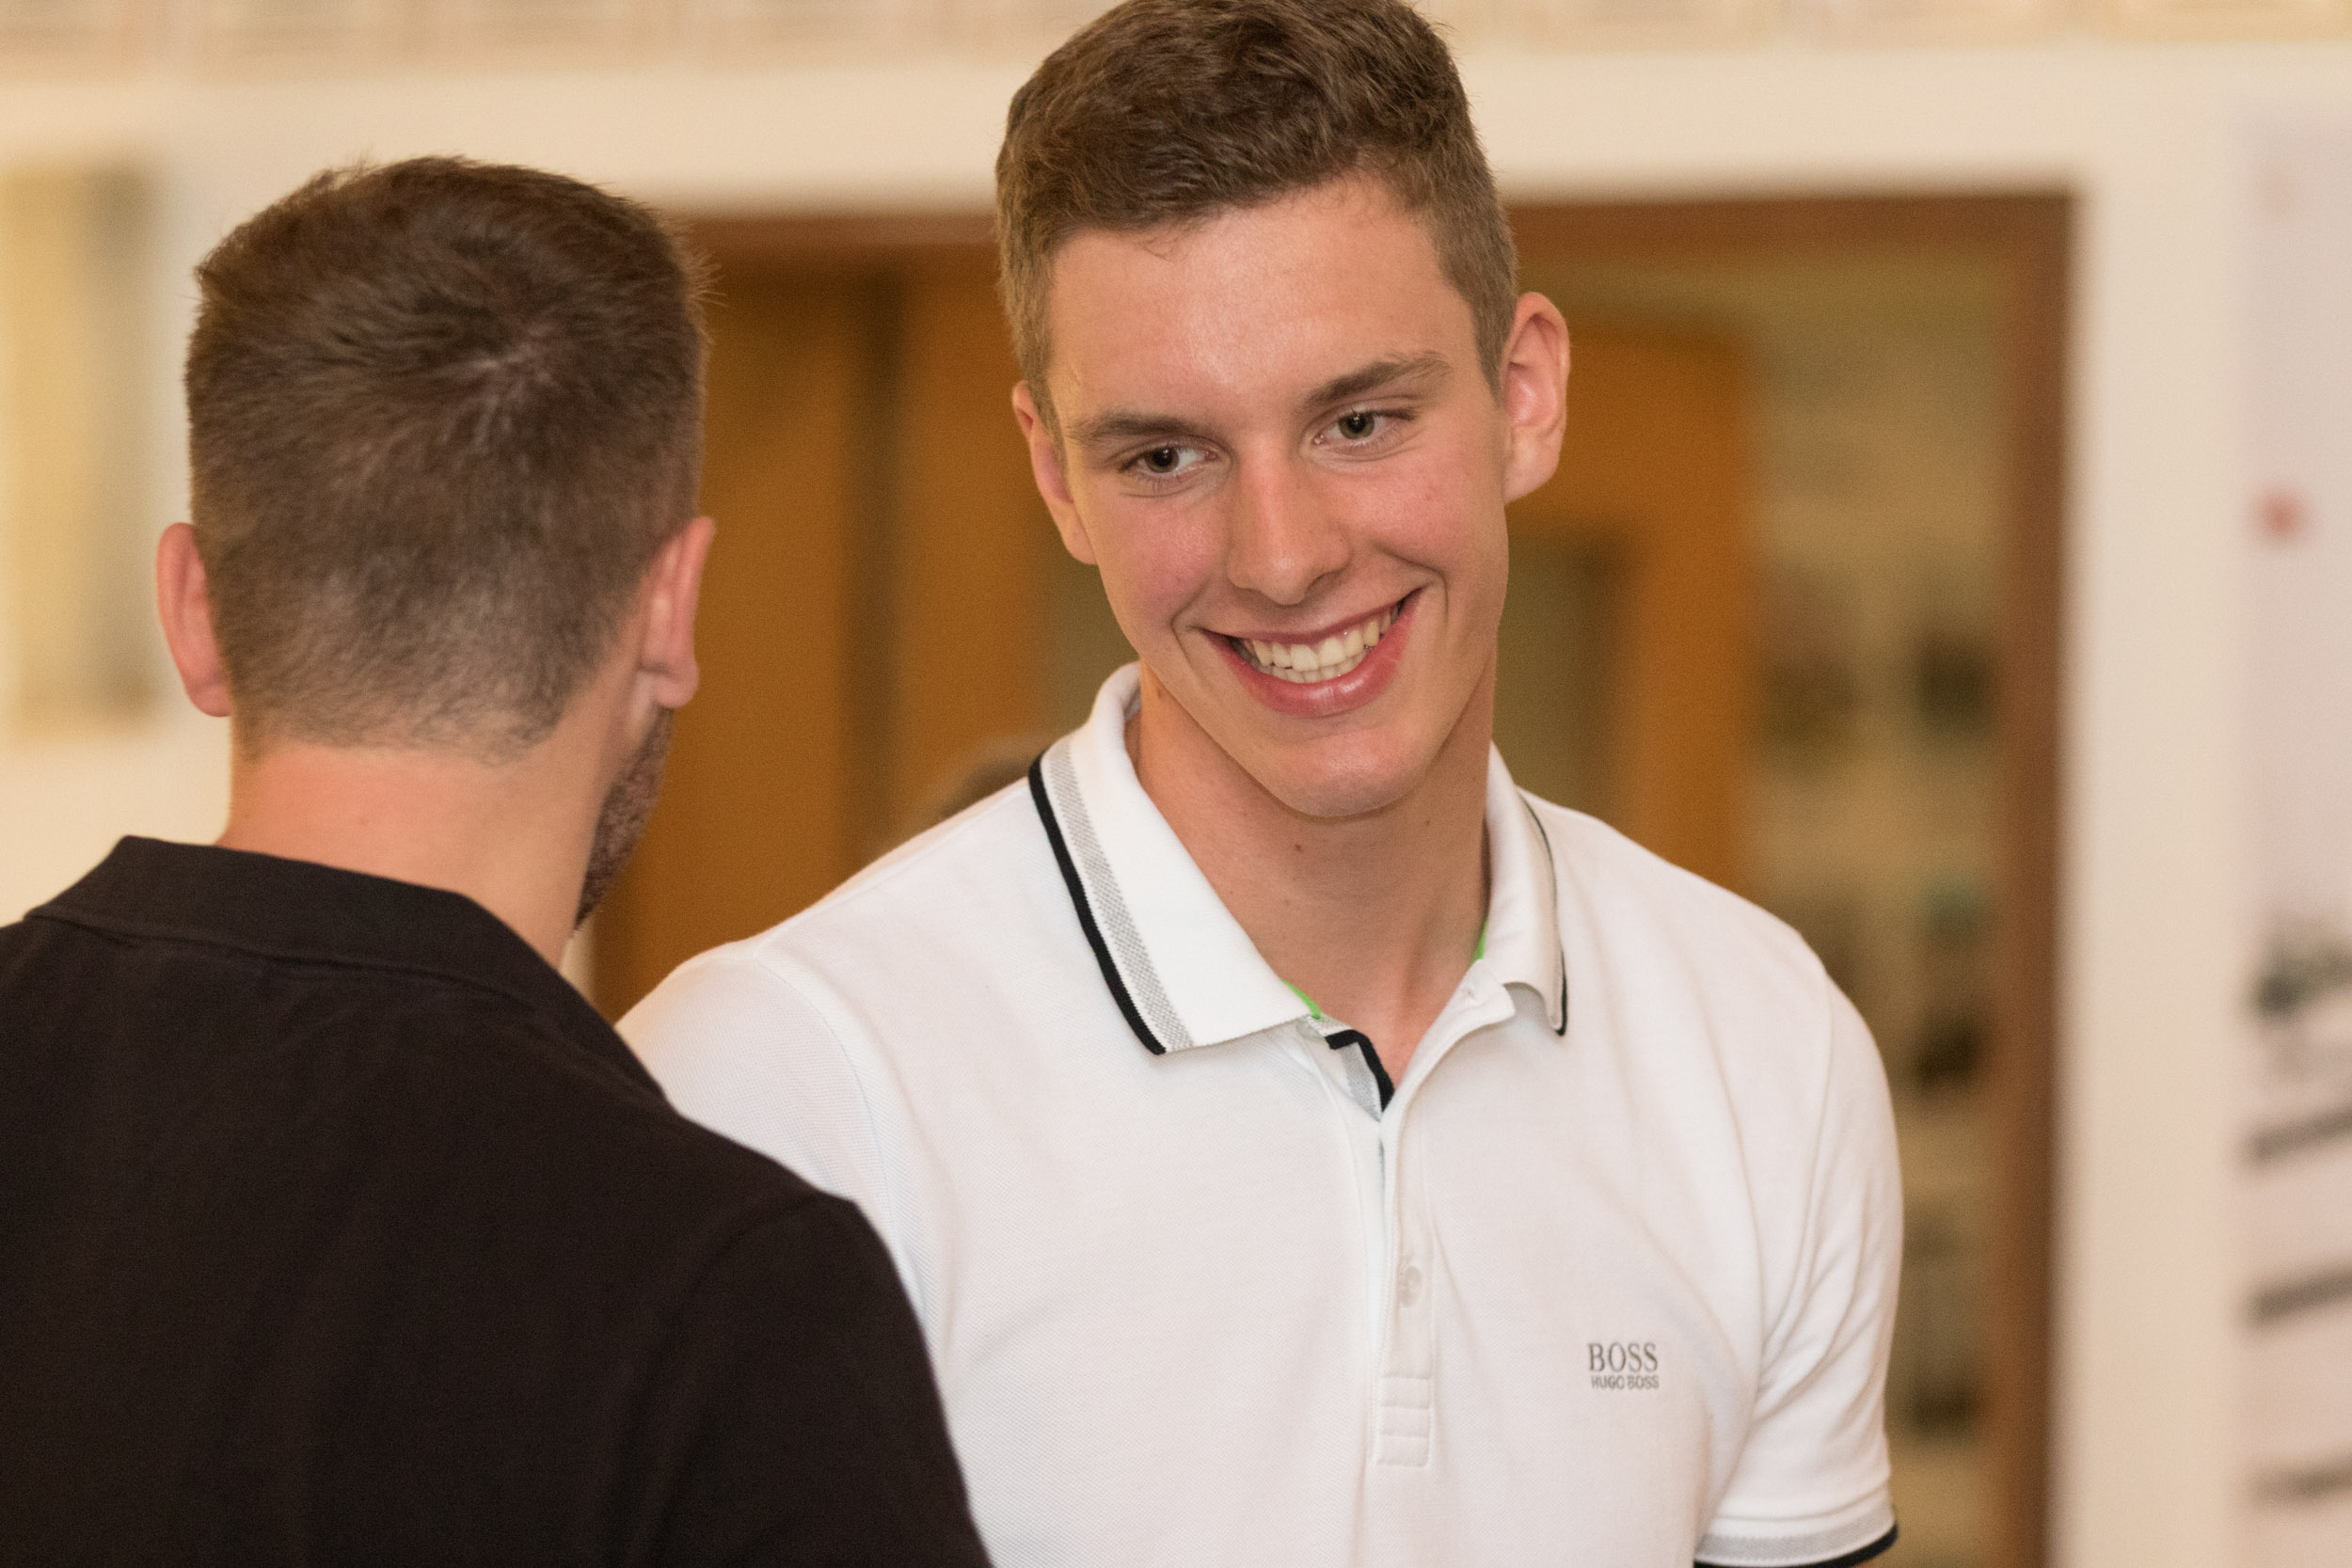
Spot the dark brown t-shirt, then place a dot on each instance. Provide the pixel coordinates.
(336, 1228)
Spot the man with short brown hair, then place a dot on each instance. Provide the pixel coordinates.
(335, 1226)
(1301, 1146)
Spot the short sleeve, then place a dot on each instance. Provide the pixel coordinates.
(1810, 1485)
(794, 1418)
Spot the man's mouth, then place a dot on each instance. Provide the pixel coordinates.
(1302, 663)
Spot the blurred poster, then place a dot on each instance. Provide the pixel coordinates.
(2299, 1144)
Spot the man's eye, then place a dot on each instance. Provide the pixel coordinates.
(1360, 426)
(1168, 462)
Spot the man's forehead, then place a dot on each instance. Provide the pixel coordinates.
(1283, 296)
(1354, 201)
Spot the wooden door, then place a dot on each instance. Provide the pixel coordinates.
(760, 811)
(871, 611)
(973, 547)
(1653, 490)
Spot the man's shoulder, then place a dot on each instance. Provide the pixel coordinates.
(454, 1083)
(960, 896)
(1639, 913)
(579, 1113)
(932, 877)
(1599, 861)
(17, 942)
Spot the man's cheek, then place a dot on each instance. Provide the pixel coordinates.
(1152, 589)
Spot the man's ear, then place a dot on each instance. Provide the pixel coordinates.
(184, 603)
(1534, 394)
(672, 589)
(1052, 483)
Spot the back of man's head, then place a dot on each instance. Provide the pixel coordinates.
(441, 417)
(1172, 111)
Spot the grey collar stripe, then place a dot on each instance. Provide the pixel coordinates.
(1842, 1547)
(1110, 926)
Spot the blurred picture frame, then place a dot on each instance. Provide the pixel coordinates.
(77, 643)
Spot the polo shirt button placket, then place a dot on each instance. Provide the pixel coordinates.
(1404, 1416)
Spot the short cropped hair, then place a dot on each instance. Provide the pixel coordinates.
(1172, 111)
(441, 416)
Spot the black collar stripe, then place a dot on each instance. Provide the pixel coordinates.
(1086, 912)
(1114, 922)
(1369, 1056)
(1103, 915)
(1559, 1019)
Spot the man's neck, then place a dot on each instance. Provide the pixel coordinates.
(512, 837)
(1376, 917)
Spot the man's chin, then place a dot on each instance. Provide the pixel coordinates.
(1343, 777)
(1360, 769)
(1358, 766)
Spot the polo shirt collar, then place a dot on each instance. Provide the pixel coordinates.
(1179, 965)
(299, 912)
(1524, 946)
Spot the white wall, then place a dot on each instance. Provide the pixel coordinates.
(2151, 138)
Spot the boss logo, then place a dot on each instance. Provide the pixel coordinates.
(1622, 1363)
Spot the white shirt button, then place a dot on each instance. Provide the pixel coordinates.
(1408, 1284)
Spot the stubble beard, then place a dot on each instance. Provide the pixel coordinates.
(621, 820)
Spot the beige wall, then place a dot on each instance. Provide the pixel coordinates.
(2151, 138)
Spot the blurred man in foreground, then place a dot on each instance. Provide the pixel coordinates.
(334, 1225)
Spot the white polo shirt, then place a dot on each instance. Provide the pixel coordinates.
(1608, 1280)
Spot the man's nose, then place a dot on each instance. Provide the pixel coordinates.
(1282, 536)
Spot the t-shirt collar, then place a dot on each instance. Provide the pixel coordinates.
(1183, 971)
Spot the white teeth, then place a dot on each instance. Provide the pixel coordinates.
(1335, 656)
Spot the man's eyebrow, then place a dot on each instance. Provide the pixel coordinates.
(1427, 368)
(1121, 424)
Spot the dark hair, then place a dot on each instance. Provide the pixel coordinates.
(1171, 111)
(441, 414)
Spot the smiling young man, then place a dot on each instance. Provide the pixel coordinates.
(1300, 1146)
